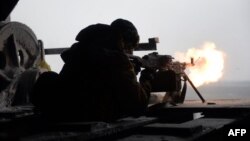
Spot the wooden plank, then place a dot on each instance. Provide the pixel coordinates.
(221, 108)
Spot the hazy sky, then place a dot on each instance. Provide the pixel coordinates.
(179, 24)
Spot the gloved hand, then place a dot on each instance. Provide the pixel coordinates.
(137, 65)
(147, 75)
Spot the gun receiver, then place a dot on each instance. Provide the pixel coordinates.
(161, 62)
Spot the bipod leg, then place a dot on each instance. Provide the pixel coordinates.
(195, 89)
(183, 92)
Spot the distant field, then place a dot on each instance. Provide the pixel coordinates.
(222, 90)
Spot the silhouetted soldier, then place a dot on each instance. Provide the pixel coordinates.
(96, 83)
(130, 38)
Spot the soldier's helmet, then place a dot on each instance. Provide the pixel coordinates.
(128, 32)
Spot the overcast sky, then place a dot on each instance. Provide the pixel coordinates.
(179, 24)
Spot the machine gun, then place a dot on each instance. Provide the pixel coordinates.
(166, 69)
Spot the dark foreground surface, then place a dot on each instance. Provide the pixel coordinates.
(192, 120)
